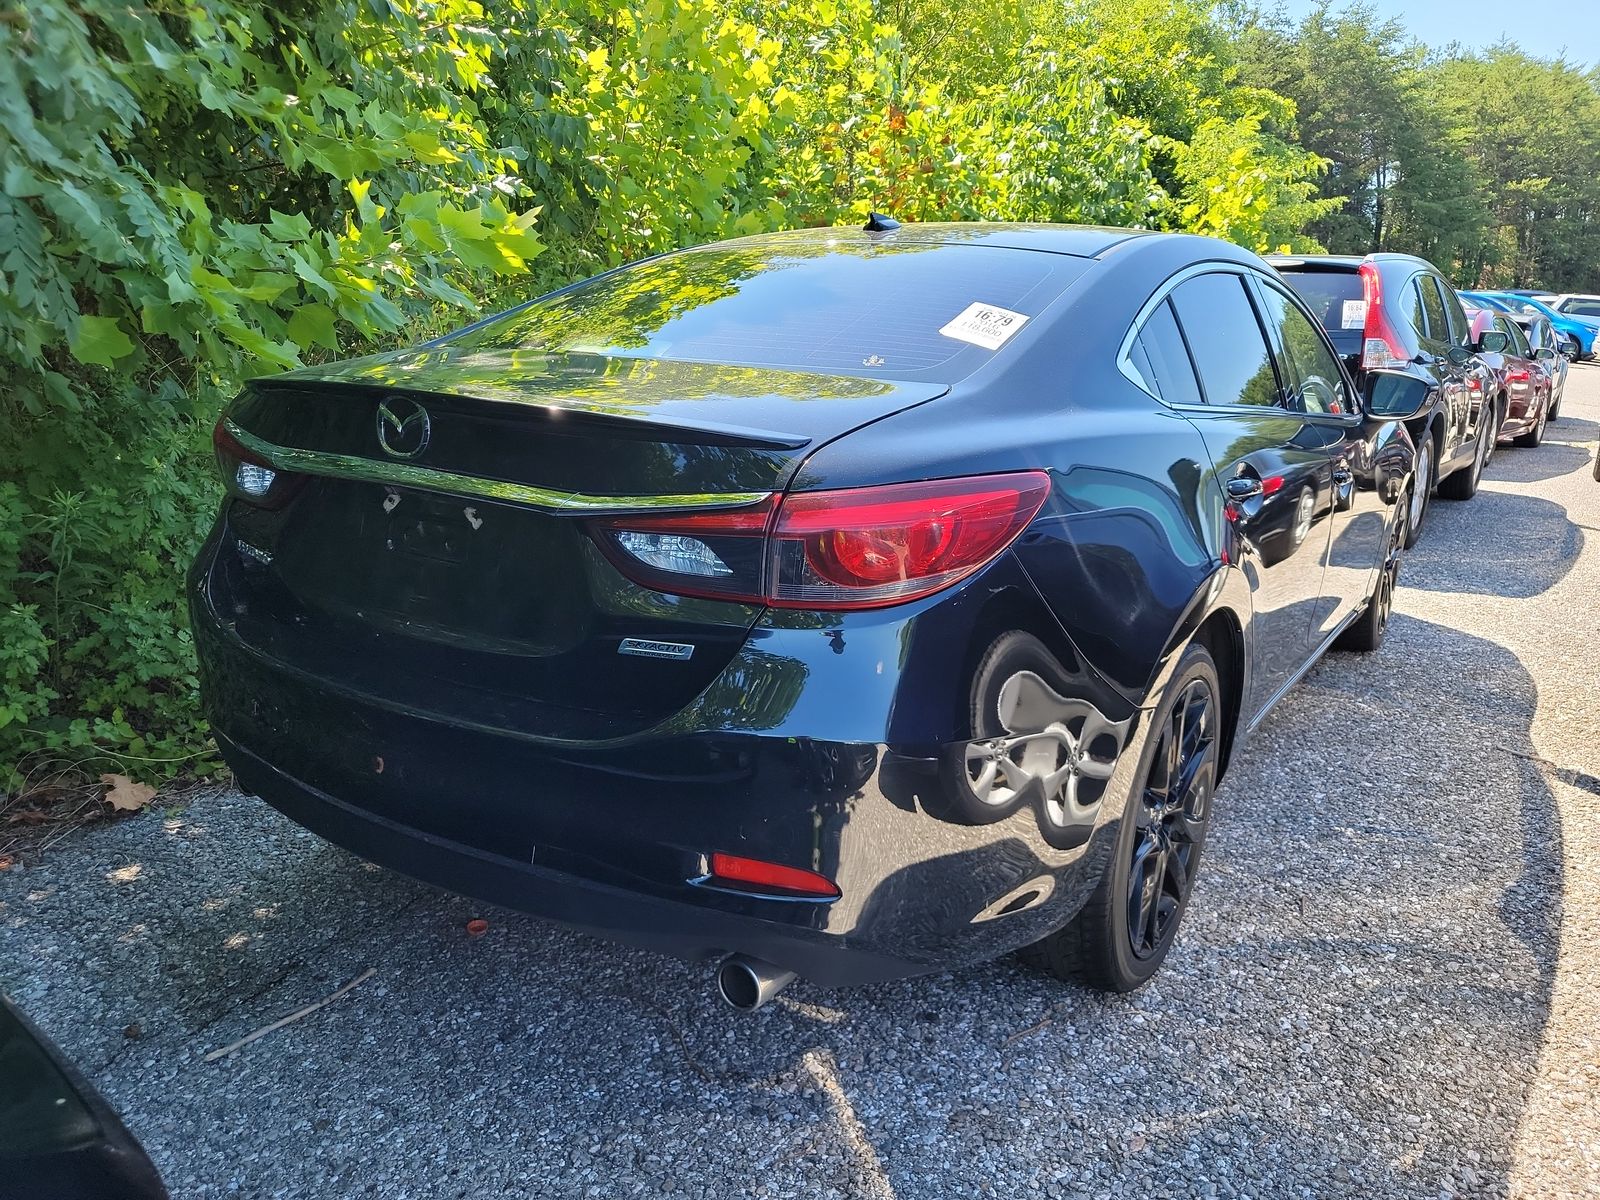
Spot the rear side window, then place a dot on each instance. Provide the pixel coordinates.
(1335, 298)
(1162, 359)
(1453, 314)
(1438, 326)
(1230, 350)
(1411, 306)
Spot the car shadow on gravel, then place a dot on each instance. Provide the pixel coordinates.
(1498, 544)
(1355, 1008)
(1568, 447)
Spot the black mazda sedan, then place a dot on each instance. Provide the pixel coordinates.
(844, 603)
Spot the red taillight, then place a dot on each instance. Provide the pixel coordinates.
(1380, 343)
(1518, 375)
(752, 874)
(853, 548)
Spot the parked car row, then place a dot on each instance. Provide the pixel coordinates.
(1493, 364)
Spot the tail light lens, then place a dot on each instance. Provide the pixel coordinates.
(855, 548)
(1380, 343)
(248, 476)
(754, 875)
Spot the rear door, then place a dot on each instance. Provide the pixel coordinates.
(1423, 306)
(1275, 468)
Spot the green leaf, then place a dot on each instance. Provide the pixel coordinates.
(287, 228)
(100, 341)
(312, 324)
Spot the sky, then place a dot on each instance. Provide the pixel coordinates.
(1544, 28)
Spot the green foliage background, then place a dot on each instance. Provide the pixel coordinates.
(198, 191)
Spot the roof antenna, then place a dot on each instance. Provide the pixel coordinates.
(878, 223)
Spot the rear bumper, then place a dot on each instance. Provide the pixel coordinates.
(613, 838)
(634, 917)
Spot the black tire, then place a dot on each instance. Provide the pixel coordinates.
(1097, 948)
(1427, 449)
(1366, 634)
(1531, 439)
(1463, 485)
(1572, 348)
(954, 797)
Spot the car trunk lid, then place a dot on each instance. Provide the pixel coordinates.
(444, 557)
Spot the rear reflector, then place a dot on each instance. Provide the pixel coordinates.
(749, 874)
(854, 548)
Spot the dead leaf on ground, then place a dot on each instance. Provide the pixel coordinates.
(125, 795)
(5, 862)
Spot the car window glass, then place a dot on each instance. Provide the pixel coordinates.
(1438, 328)
(1314, 381)
(1411, 304)
(910, 311)
(1336, 297)
(1452, 312)
(1230, 351)
(1581, 308)
(1162, 359)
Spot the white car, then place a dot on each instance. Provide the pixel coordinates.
(1577, 304)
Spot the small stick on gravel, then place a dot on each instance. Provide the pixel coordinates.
(291, 1018)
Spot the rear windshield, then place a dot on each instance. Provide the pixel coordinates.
(908, 311)
(1335, 298)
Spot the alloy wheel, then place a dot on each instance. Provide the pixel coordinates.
(1041, 746)
(1171, 818)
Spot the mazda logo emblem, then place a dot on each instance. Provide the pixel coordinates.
(403, 427)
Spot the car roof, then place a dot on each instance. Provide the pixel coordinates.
(1079, 241)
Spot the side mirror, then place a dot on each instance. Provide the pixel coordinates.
(1395, 395)
(1545, 354)
(1493, 342)
(1459, 356)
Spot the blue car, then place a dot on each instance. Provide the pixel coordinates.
(1578, 334)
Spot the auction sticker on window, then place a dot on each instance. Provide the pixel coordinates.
(1354, 314)
(986, 325)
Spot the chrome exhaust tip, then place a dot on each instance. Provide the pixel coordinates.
(748, 983)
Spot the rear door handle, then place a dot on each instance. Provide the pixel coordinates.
(1243, 487)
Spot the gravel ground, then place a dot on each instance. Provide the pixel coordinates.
(1384, 989)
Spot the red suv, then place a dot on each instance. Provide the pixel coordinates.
(1523, 383)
